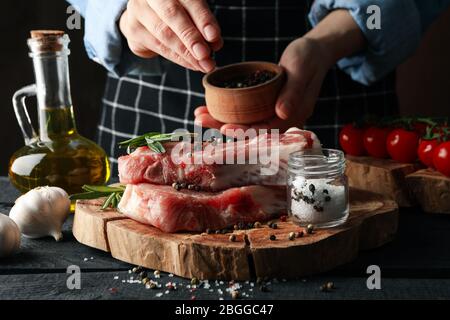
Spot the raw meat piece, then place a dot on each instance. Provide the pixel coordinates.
(145, 166)
(171, 211)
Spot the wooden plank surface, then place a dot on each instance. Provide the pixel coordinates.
(415, 265)
(103, 286)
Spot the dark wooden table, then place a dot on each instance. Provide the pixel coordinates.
(415, 266)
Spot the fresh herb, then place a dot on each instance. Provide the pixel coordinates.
(153, 140)
(113, 195)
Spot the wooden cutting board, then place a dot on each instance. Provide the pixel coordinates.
(373, 222)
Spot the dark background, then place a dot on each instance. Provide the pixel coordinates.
(423, 81)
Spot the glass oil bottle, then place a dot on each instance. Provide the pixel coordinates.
(58, 155)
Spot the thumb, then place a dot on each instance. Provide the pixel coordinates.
(289, 99)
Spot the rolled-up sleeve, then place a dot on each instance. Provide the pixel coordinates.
(402, 24)
(104, 42)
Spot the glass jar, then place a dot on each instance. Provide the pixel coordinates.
(56, 155)
(318, 188)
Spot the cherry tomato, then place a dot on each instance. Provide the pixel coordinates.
(426, 151)
(402, 145)
(375, 141)
(441, 158)
(351, 140)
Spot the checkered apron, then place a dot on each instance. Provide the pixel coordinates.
(252, 30)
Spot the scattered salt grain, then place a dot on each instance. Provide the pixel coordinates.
(85, 259)
(159, 295)
(167, 292)
(116, 277)
(170, 275)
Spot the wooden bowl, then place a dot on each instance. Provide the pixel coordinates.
(242, 105)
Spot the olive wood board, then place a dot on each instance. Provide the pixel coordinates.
(383, 176)
(372, 222)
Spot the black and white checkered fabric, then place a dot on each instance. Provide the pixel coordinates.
(252, 30)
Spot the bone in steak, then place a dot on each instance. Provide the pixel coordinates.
(171, 211)
(145, 166)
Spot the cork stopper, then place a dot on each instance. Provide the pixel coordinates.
(39, 34)
(48, 40)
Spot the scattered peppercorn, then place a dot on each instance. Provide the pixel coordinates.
(327, 198)
(273, 225)
(300, 234)
(218, 232)
(312, 188)
(272, 237)
(197, 188)
(136, 269)
(236, 227)
(263, 288)
(176, 186)
(209, 231)
(232, 238)
(292, 236)
(257, 224)
(151, 285)
(325, 191)
(323, 288)
(224, 231)
(283, 218)
(250, 225)
(183, 185)
(194, 281)
(310, 229)
(235, 294)
(191, 187)
(145, 280)
(157, 273)
(330, 285)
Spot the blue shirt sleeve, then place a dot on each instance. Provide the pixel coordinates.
(104, 42)
(402, 25)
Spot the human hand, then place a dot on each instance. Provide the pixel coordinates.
(183, 31)
(306, 63)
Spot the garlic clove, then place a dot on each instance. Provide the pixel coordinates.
(41, 212)
(9, 236)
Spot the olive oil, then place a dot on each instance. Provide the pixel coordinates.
(65, 159)
(58, 155)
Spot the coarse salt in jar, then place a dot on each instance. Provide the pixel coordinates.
(318, 188)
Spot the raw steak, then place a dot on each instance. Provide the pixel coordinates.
(210, 173)
(171, 211)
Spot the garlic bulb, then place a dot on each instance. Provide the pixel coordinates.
(41, 212)
(9, 236)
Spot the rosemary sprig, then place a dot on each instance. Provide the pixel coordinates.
(113, 195)
(153, 140)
